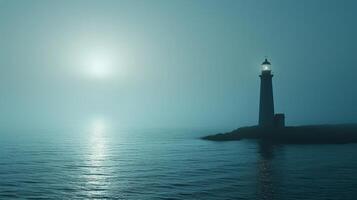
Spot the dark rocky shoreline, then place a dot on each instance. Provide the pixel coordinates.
(310, 134)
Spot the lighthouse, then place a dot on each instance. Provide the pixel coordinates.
(267, 117)
(266, 106)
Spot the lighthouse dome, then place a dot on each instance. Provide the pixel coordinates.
(266, 65)
(266, 62)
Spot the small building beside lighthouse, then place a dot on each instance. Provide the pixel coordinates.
(267, 117)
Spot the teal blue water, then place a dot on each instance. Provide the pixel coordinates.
(170, 164)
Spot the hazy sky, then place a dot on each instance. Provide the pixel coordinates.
(175, 63)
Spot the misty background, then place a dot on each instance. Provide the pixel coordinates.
(176, 64)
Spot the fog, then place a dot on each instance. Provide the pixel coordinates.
(174, 64)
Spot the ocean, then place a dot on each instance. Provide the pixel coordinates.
(170, 164)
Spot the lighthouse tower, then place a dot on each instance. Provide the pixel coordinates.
(266, 106)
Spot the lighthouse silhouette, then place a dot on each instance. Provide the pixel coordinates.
(267, 118)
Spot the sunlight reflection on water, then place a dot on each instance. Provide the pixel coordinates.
(96, 177)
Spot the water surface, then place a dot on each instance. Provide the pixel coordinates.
(170, 164)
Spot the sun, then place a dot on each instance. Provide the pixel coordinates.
(100, 66)
(98, 63)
